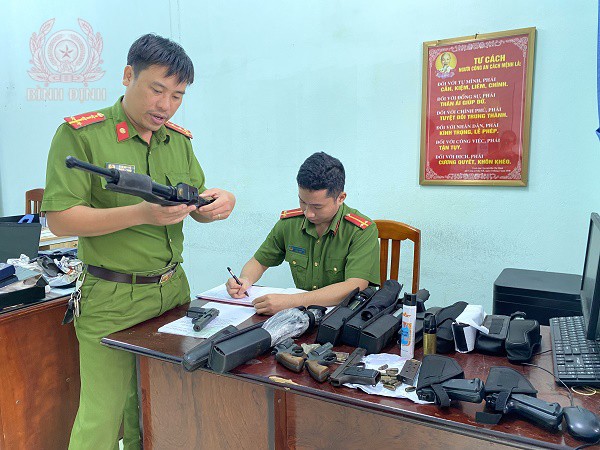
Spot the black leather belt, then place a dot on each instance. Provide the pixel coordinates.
(118, 277)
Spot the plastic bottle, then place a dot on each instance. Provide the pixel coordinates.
(429, 335)
(409, 319)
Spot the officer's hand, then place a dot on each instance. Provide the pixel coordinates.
(272, 303)
(221, 208)
(153, 214)
(237, 291)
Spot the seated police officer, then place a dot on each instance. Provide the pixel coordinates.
(331, 248)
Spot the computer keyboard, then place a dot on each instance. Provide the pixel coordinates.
(576, 360)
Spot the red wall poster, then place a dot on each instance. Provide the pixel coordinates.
(476, 109)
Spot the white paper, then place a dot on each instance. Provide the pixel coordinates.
(393, 361)
(228, 315)
(473, 316)
(219, 293)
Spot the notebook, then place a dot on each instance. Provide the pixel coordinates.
(220, 294)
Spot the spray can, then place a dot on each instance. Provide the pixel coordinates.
(409, 319)
(429, 335)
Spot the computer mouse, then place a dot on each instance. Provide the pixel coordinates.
(582, 423)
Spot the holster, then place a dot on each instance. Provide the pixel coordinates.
(503, 381)
(330, 328)
(228, 354)
(493, 342)
(523, 338)
(375, 336)
(355, 324)
(444, 318)
(436, 369)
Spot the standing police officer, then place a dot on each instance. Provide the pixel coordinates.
(331, 248)
(132, 248)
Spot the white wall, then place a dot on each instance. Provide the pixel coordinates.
(279, 80)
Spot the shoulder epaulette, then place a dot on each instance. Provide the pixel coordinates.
(179, 129)
(291, 213)
(85, 119)
(360, 222)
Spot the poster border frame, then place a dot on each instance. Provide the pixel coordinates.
(530, 32)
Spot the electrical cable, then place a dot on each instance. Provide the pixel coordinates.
(563, 383)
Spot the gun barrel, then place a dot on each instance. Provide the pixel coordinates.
(111, 175)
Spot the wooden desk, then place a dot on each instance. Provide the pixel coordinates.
(245, 409)
(39, 377)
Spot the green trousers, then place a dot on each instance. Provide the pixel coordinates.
(108, 395)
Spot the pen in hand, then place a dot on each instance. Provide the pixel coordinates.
(237, 280)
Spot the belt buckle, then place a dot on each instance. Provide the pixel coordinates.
(166, 276)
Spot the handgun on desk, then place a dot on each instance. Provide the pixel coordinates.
(354, 371)
(549, 415)
(290, 355)
(456, 389)
(141, 185)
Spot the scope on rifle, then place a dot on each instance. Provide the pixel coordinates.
(141, 185)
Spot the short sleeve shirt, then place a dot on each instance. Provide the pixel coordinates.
(344, 251)
(114, 143)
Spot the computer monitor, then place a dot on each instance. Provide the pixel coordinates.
(590, 282)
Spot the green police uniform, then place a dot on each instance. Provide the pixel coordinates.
(108, 379)
(349, 248)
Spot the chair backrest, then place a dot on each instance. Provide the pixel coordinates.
(33, 201)
(390, 230)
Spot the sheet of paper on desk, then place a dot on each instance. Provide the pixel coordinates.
(228, 315)
(377, 360)
(220, 294)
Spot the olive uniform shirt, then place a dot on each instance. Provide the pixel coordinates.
(108, 139)
(344, 251)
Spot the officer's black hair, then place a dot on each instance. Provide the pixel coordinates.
(322, 171)
(153, 50)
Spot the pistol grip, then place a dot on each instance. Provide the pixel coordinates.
(317, 371)
(294, 363)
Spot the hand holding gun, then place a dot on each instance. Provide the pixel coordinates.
(141, 185)
(290, 355)
(354, 371)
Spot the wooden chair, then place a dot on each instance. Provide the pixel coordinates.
(390, 230)
(33, 201)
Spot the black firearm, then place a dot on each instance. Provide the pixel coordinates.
(548, 415)
(201, 316)
(471, 391)
(141, 185)
(354, 371)
(197, 356)
(318, 360)
(290, 355)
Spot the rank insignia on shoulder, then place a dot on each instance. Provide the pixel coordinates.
(291, 213)
(179, 129)
(360, 222)
(85, 119)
